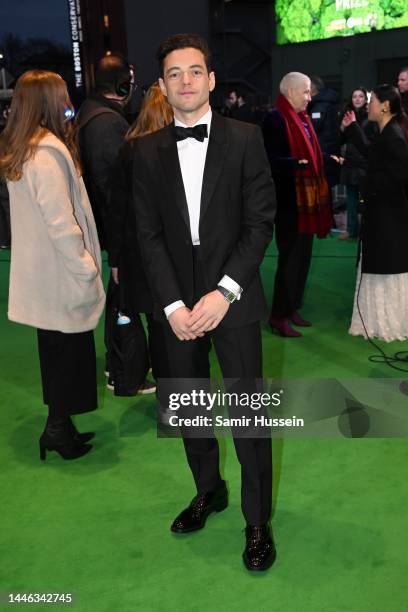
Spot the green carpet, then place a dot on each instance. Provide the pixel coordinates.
(99, 527)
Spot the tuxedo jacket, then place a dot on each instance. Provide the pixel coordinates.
(236, 216)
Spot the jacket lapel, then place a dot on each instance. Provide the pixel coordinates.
(169, 158)
(216, 153)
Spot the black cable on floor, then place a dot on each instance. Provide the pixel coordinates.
(400, 356)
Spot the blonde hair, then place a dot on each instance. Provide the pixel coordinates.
(39, 101)
(155, 114)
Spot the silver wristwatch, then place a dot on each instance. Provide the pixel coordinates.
(228, 295)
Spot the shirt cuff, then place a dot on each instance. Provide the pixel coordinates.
(172, 307)
(231, 285)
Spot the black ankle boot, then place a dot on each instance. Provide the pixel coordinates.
(57, 436)
(80, 438)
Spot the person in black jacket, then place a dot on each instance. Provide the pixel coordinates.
(303, 206)
(323, 110)
(381, 298)
(205, 206)
(122, 244)
(403, 87)
(240, 107)
(102, 126)
(354, 164)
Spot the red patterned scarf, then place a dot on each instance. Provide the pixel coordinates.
(312, 190)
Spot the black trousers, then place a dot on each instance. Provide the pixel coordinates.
(295, 253)
(239, 353)
(68, 372)
(157, 347)
(111, 306)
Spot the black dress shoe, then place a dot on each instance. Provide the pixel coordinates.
(260, 551)
(80, 438)
(195, 516)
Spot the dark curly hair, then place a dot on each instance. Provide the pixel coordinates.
(183, 41)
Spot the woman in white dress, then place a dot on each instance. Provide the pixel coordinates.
(381, 296)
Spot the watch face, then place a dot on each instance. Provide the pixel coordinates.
(229, 296)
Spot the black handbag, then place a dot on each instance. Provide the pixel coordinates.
(129, 354)
(129, 357)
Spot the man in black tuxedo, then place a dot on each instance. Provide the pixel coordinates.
(205, 204)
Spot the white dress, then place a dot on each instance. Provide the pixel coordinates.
(383, 304)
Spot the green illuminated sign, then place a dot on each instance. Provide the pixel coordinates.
(305, 20)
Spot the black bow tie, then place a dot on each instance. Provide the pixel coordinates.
(199, 132)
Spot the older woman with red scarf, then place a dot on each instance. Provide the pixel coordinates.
(302, 196)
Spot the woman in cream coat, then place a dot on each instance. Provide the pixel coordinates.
(55, 272)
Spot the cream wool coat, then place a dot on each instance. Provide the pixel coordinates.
(55, 271)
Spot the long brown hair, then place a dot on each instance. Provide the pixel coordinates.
(155, 114)
(39, 102)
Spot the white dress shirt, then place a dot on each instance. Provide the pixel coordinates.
(192, 155)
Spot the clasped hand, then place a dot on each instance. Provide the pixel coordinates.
(206, 315)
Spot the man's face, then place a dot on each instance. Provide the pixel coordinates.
(186, 81)
(299, 96)
(403, 82)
